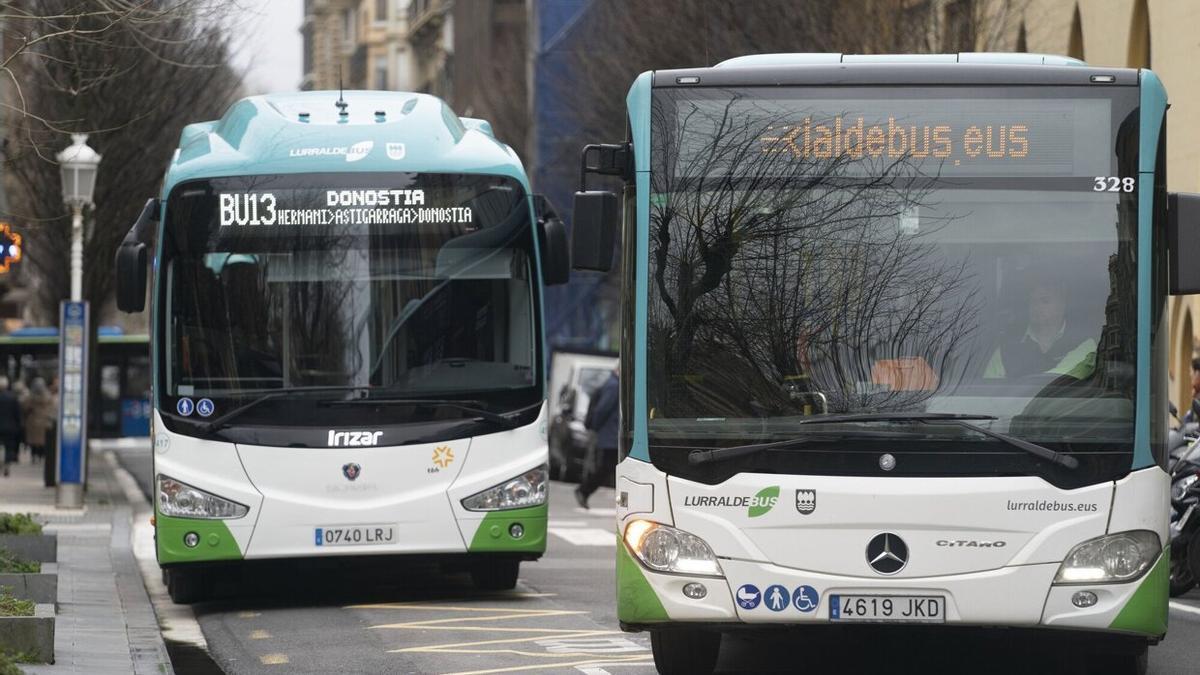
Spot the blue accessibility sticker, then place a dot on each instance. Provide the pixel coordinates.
(806, 599)
(776, 597)
(184, 406)
(748, 596)
(205, 407)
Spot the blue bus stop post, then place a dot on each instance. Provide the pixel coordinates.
(72, 405)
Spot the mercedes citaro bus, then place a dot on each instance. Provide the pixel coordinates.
(894, 343)
(347, 344)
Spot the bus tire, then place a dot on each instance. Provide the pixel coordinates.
(685, 650)
(185, 586)
(495, 575)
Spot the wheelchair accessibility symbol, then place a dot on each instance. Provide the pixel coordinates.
(806, 599)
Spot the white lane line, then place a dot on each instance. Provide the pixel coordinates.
(597, 511)
(570, 523)
(1181, 607)
(585, 536)
(177, 622)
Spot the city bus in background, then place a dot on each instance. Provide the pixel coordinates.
(346, 339)
(894, 348)
(120, 404)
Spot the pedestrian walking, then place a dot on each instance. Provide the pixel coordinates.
(39, 415)
(10, 423)
(602, 419)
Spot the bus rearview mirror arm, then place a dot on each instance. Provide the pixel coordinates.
(595, 214)
(1183, 243)
(133, 258)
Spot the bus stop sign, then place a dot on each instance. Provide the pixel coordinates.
(72, 408)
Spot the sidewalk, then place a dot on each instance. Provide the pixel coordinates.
(105, 622)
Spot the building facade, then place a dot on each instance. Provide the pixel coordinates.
(1157, 34)
(356, 44)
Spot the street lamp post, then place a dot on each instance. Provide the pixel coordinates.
(78, 163)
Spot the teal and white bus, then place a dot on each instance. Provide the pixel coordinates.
(895, 336)
(346, 333)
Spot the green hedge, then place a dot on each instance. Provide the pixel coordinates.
(19, 523)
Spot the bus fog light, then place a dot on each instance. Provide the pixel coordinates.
(1083, 599)
(665, 549)
(516, 531)
(181, 500)
(695, 590)
(528, 489)
(1112, 558)
(191, 539)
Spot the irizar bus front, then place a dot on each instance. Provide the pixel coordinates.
(898, 351)
(347, 336)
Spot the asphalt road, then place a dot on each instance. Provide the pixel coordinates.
(561, 619)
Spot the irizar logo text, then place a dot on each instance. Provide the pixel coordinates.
(758, 505)
(353, 439)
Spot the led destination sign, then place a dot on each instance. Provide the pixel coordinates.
(937, 137)
(335, 207)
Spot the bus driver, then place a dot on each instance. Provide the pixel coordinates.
(1050, 343)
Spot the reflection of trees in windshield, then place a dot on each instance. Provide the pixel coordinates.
(783, 284)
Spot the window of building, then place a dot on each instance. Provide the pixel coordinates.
(379, 78)
(381, 10)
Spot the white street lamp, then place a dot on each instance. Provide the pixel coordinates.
(78, 163)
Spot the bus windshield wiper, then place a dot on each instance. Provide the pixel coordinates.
(222, 420)
(468, 407)
(733, 451)
(961, 420)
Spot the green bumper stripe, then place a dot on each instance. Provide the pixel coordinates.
(1146, 610)
(636, 600)
(216, 541)
(493, 533)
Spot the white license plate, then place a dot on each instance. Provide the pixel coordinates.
(884, 608)
(356, 535)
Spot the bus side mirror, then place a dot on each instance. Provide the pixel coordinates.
(1183, 243)
(132, 260)
(556, 255)
(131, 277)
(553, 249)
(594, 230)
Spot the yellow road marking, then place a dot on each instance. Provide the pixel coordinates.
(273, 659)
(259, 635)
(569, 632)
(451, 608)
(500, 641)
(589, 662)
(494, 617)
(247, 615)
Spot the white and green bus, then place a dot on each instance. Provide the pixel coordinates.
(894, 344)
(347, 343)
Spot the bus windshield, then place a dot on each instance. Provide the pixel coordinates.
(830, 251)
(404, 285)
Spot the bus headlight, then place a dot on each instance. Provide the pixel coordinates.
(665, 549)
(528, 489)
(1113, 558)
(184, 501)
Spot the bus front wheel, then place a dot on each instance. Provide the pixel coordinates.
(685, 650)
(185, 586)
(495, 575)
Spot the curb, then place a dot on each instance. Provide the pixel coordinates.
(147, 648)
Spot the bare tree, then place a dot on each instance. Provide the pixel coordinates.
(132, 74)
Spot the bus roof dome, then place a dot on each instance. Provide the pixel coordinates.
(315, 131)
(826, 58)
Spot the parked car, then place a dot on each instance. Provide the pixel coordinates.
(573, 378)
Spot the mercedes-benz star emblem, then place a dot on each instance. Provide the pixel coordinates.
(887, 553)
(351, 471)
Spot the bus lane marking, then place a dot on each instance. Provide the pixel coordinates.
(562, 647)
